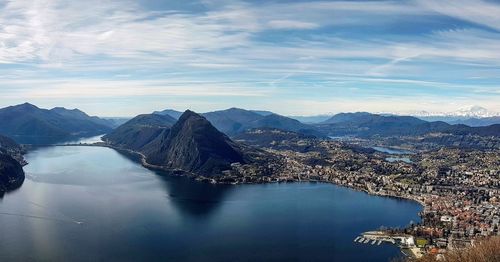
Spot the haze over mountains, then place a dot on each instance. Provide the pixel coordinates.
(471, 116)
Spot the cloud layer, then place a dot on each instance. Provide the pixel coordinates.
(284, 56)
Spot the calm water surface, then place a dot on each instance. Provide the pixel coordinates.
(95, 204)
(392, 151)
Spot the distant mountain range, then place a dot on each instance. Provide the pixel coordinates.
(191, 143)
(485, 121)
(364, 124)
(233, 121)
(312, 119)
(196, 143)
(29, 124)
(471, 116)
(467, 112)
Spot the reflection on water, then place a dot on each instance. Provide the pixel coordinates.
(195, 199)
(95, 204)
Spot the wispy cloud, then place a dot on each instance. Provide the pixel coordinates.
(249, 51)
(476, 11)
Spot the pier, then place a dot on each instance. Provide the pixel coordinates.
(406, 242)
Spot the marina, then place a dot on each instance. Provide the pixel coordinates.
(405, 242)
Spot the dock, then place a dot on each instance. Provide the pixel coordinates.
(377, 237)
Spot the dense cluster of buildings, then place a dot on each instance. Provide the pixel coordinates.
(459, 189)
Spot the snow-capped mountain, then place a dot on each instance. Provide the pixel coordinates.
(474, 111)
(466, 112)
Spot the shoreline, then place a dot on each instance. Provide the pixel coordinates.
(178, 172)
(187, 174)
(141, 158)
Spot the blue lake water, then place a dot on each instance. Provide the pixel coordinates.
(95, 204)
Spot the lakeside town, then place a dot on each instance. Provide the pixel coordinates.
(459, 189)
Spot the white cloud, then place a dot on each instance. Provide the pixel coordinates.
(475, 11)
(84, 88)
(231, 50)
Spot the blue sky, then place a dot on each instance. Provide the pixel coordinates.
(122, 58)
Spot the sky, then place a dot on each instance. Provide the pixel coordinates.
(122, 58)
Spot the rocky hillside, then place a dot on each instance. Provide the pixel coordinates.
(11, 171)
(195, 146)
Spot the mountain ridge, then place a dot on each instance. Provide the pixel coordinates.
(194, 145)
(26, 123)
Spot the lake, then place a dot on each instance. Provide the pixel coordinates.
(392, 151)
(95, 204)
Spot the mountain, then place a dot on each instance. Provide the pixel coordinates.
(311, 119)
(139, 131)
(454, 120)
(29, 124)
(364, 124)
(117, 121)
(173, 113)
(358, 117)
(473, 112)
(485, 121)
(233, 120)
(194, 145)
(80, 115)
(284, 123)
(274, 138)
(462, 113)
